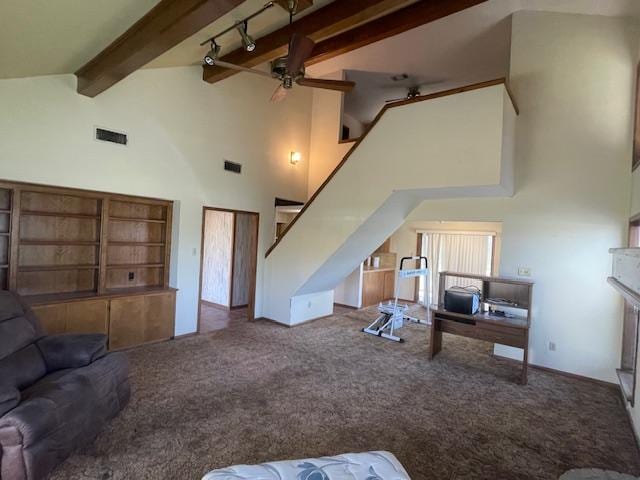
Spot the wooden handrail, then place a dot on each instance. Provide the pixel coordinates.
(422, 98)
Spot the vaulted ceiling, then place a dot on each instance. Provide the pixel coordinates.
(55, 37)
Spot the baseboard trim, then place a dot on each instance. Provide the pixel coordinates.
(185, 335)
(297, 324)
(216, 305)
(575, 376)
(343, 305)
(270, 320)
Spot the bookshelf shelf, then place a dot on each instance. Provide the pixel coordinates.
(136, 244)
(136, 220)
(71, 243)
(55, 268)
(135, 265)
(82, 216)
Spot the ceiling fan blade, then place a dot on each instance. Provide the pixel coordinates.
(279, 94)
(300, 48)
(231, 66)
(339, 85)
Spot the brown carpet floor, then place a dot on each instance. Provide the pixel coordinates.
(257, 392)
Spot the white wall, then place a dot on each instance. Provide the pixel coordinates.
(573, 78)
(181, 129)
(356, 127)
(349, 292)
(216, 257)
(325, 149)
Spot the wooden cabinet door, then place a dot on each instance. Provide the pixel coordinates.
(389, 285)
(52, 318)
(372, 288)
(136, 320)
(89, 316)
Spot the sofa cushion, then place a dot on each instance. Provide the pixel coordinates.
(71, 351)
(9, 397)
(56, 407)
(18, 325)
(354, 466)
(22, 368)
(10, 306)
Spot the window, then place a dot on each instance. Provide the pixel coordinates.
(464, 252)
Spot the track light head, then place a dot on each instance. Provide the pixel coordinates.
(212, 55)
(248, 43)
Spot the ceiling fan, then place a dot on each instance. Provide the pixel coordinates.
(289, 70)
(413, 89)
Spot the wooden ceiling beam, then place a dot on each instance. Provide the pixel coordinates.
(334, 18)
(342, 40)
(163, 27)
(302, 4)
(402, 20)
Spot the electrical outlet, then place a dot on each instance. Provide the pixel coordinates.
(551, 346)
(524, 272)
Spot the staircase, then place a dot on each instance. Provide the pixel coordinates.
(452, 144)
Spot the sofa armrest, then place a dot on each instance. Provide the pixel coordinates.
(71, 350)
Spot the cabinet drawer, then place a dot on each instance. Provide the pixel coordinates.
(479, 333)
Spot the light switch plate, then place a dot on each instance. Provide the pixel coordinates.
(524, 272)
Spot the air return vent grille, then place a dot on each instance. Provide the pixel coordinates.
(232, 166)
(110, 136)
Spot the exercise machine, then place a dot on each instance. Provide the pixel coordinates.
(392, 314)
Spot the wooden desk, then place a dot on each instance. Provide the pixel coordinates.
(488, 327)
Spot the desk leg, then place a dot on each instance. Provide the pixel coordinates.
(435, 343)
(525, 361)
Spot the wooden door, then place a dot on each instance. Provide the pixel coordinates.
(136, 320)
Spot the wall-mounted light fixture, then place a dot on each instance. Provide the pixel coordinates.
(294, 158)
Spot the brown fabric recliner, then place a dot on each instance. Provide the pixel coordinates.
(56, 392)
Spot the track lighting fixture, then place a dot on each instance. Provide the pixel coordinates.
(247, 42)
(212, 55)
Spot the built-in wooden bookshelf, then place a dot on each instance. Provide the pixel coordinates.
(60, 246)
(5, 236)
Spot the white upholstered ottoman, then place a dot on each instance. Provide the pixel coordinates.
(350, 466)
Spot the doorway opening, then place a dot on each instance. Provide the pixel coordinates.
(228, 260)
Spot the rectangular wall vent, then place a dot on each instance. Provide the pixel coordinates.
(232, 166)
(111, 136)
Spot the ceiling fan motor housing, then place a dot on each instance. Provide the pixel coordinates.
(279, 71)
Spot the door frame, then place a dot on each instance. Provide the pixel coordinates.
(251, 308)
